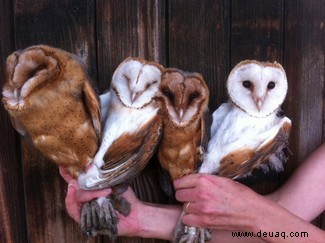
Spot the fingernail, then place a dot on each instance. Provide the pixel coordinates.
(70, 185)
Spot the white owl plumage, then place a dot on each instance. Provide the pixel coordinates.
(131, 132)
(127, 108)
(249, 129)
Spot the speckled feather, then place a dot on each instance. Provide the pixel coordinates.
(50, 98)
(184, 101)
(181, 145)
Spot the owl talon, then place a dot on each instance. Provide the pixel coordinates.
(99, 217)
(204, 235)
(87, 226)
(191, 234)
(107, 217)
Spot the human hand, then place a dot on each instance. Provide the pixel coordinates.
(76, 196)
(218, 202)
(127, 226)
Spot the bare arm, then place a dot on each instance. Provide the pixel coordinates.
(145, 220)
(234, 207)
(303, 194)
(226, 206)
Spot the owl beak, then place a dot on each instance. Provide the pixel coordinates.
(180, 113)
(134, 96)
(259, 102)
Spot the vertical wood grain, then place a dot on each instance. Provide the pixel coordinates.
(128, 28)
(198, 41)
(11, 183)
(69, 25)
(304, 62)
(131, 28)
(256, 30)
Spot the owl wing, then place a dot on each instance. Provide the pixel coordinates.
(92, 104)
(206, 121)
(269, 154)
(104, 104)
(18, 126)
(218, 117)
(129, 155)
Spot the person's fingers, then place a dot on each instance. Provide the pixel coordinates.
(185, 195)
(82, 196)
(76, 196)
(186, 181)
(190, 208)
(192, 220)
(86, 196)
(65, 174)
(196, 208)
(73, 207)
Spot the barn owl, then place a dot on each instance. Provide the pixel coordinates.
(249, 131)
(50, 99)
(184, 103)
(131, 131)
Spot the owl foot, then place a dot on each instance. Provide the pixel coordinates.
(121, 204)
(204, 234)
(98, 217)
(189, 235)
(192, 235)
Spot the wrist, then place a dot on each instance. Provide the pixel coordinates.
(277, 220)
(267, 217)
(157, 221)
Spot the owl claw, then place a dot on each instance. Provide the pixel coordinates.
(87, 226)
(192, 235)
(99, 217)
(204, 235)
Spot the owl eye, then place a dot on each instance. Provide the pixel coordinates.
(37, 70)
(126, 77)
(193, 96)
(167, 93)
(271, 85)
(247, 84)
(149, 84)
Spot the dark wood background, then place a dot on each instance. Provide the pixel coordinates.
(208, 37)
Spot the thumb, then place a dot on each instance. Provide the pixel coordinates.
(73, 207)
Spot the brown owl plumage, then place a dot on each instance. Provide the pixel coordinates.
(184, 101)
(49, 97)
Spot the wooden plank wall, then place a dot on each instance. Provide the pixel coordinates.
(208, 37)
